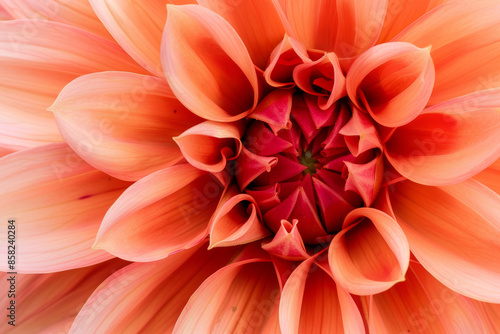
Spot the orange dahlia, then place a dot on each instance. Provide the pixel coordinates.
(250, 166)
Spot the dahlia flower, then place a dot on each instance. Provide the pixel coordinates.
(257, 166)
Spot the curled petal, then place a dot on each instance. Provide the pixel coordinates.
(392, 81)
(287, 243)
(274, 110)
(360, 134)
(370, 254)
(207, 65)
(160, 214)
(250, 166)
(365, 178)
(449, 142)
(261, 140)
(127, 131)
(57, 209)
(210, 145)
(454, 231)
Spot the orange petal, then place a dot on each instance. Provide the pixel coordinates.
(149, 297)
(48, 303)
(71, 12)
(274, 110)
(207, 64)
(465, 51)
(370, 254)
(239, 296)
(392, 81)
(257, 23)
(35, 66)
(58, 202)
(172, 207)
(421, 305)
(449, 142)
(490, 315)
(287, 243)
(454, 231)
(312, 303)
(127, 131)
(210, 145)
(490, 177)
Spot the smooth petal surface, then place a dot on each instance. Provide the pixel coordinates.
(391, 81)
(454, 232)
(207, 64)
(490, 177)
(241, 297)
(464, 51)
(149, 297)
(48, 303)
(490, 314)
(35, 64)
(58, 202)
(160, 214)
(370, 254)
(71, 12)
(449, 142)
(122, 123)
(257, 23)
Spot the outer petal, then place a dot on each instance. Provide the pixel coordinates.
(466, 48)
(48, 303)
(207, 65)
(72, 12)
(4, 15)
(421, 305)
(35, 64)
(490, 314)
(391, 81)
(241, 297)
(160, 214)
(449, 142)
(257, 23)
(122, 123)
(370, 254)
(149, 297)
(454, 231)
(58, 202)
(491, 177)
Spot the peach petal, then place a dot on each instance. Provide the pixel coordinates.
(449, 142)
(490, 315)
(392, 81)
(57, 209)
(257, 23)
(454, 232)
(490, 177)
(71, 12)
(365, 178)
(359, 133)
(274, 110)
(149, 297)
(287, 243)
(260, 140)
(464, 51)
(370, 254)
(4, 14)
(35, 66)
(239, 296)
(207, 64)
(126, 131)
(160, 214)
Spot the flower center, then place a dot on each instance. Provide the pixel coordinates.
(308, 161)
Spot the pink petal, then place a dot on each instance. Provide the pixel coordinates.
(210, 145)
(464, 51)
(237, 297)
(391, 81)
(257, 23)
(4, 14)
(127, 130)
(35, 66)
(287, 243)
(207, 64)
(251, 166)
(160, 214)
(274, 110)
(454, 231)
(449, 142)
(370, 254)
(58, 202)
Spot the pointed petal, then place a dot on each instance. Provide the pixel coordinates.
(210, 145)
(287, 243)
(360, 134)
(370, 254)
(465, 50)
(250, 166)
(237, 297)
(126, 132)
(274, 110)
(454, 231)
(449, 142)
(57, 209)
(160, 214)
(257, 23)
(392, 81)
(35, 66)
(207, 64)
(365, 179)
(490, 177)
